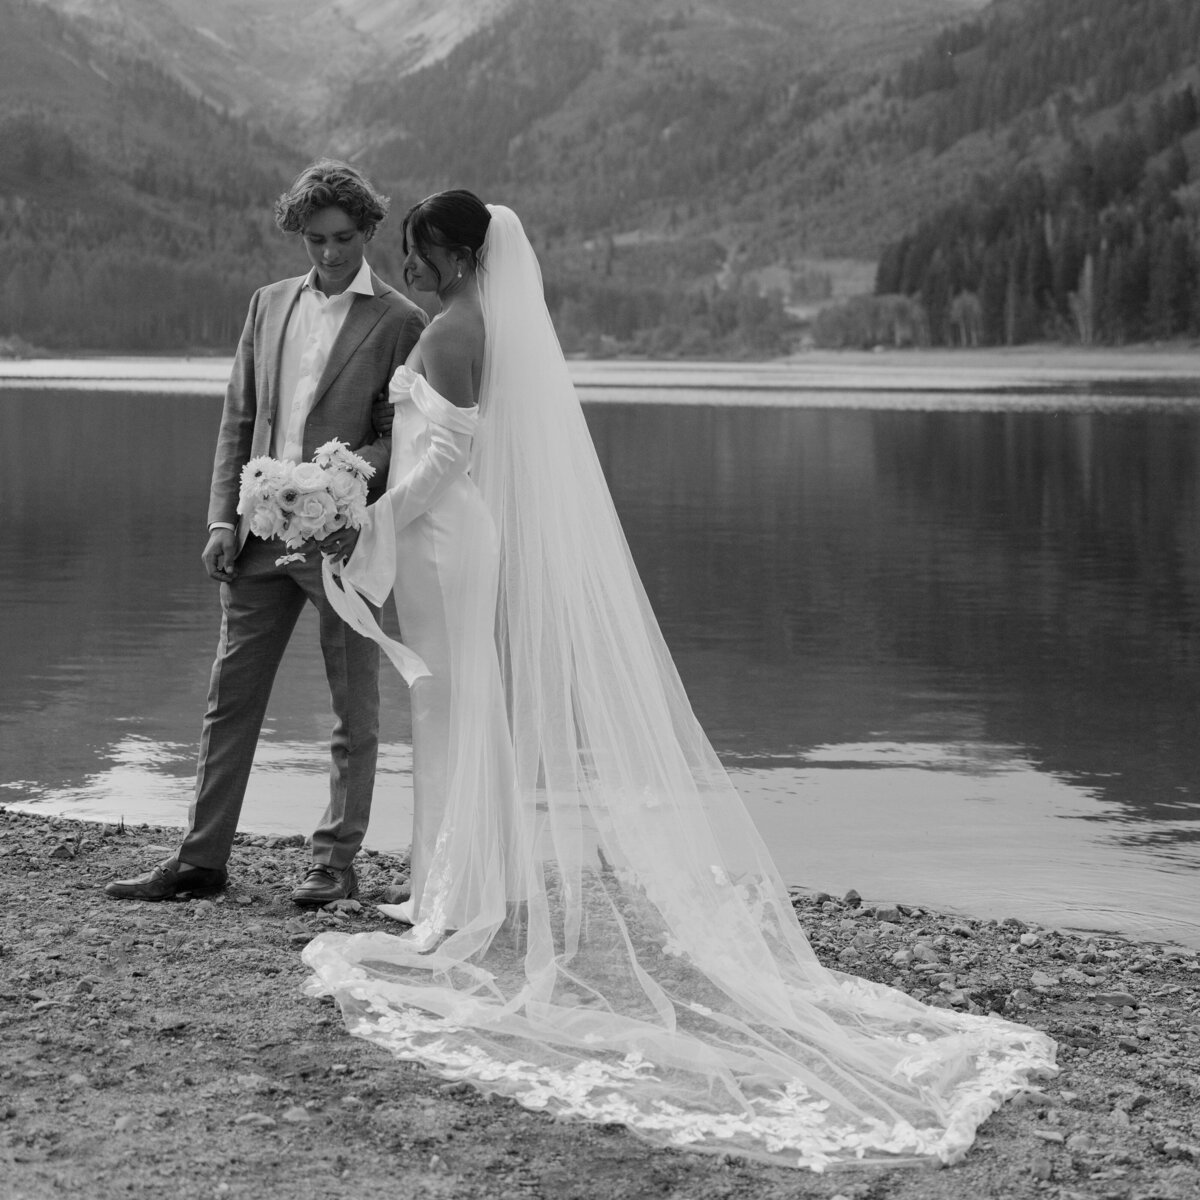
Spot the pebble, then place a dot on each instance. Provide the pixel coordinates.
(253, 1083)
(1049, 1135)
(1116, 999)
(1041, 1168)
(259, 1120)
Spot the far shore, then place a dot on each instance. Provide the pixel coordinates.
(1155, 370)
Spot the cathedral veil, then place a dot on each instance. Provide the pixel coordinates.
(607, 936)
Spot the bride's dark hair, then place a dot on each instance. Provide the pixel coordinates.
(454, 220)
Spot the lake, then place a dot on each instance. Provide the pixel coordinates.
(940, 615)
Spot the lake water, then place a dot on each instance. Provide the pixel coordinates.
(942, 623)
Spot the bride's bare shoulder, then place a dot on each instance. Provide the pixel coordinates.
(451, 350)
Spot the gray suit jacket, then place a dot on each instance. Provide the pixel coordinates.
(375, 339)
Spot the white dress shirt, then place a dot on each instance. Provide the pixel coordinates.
(312, 329)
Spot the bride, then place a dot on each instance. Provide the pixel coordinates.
(596, 927)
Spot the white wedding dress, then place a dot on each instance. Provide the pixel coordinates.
(599, 929)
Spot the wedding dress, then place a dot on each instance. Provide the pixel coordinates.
(599, 929)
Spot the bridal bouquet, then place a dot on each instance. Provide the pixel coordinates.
(301, 502)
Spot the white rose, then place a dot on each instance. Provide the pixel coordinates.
(314, 511)
(308, 477)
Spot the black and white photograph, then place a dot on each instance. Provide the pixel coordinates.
(600, 599)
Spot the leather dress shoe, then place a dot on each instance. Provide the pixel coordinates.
(324, 884)
(169, 879)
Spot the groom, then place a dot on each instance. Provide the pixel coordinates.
(315, 353)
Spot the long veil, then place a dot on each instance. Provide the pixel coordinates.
(637, 959)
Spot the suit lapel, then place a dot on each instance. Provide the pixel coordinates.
(365, 313)
(274, 328)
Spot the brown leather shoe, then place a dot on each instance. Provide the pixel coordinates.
(324, 884)
(168, 880)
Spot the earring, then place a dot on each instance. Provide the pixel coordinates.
(460, 272)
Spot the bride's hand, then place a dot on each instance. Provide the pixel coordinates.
(382, 414)
(340, 545)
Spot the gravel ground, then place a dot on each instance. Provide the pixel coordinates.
(152, 1050)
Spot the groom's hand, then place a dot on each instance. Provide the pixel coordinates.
(219, 555)
(382, 413)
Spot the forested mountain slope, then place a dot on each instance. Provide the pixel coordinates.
(697, 173)
(131, 214)
(1086, 227)
(630, 134)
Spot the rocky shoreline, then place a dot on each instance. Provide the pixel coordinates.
(157, 1049)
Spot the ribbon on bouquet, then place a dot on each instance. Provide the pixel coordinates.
(352, 608)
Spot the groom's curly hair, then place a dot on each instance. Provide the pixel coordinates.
(328, 183)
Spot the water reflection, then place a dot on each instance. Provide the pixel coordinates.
(951, 656)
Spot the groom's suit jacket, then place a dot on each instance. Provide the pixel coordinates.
(378, 333)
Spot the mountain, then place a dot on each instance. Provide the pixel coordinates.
(279, 62)
(1022, 172)
(699, 175)
(133, 214)
(186, 120)
(628, 93)
(627, 134)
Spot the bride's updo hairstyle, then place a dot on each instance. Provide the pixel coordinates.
(453, 220)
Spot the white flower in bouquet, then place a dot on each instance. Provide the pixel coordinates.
(262, 480)
(340, 457)
(315, 516)
(350, 494)
(308, 477)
